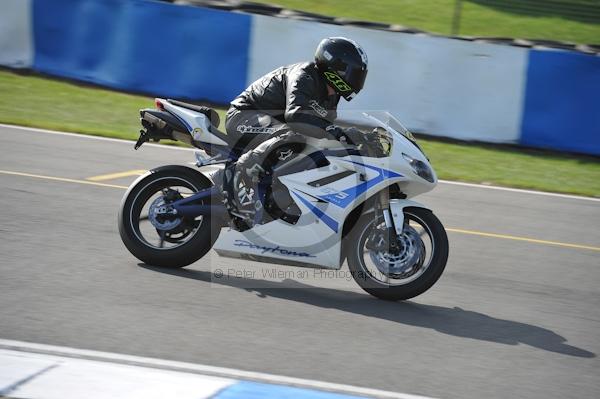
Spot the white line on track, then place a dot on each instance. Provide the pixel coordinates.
(519, 190)
(455, 183)
(90, 137)
(199, 369)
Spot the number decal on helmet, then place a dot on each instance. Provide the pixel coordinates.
(337, 81)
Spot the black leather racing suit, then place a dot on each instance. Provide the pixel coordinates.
(272, 116)
(294, 95)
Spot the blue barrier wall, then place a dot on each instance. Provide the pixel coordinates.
(562, 102)
(144, 46)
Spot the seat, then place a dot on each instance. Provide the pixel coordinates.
(213, 117)
(210, 113)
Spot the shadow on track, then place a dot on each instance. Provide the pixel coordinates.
(452, 321)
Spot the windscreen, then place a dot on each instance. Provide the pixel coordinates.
(373, 119)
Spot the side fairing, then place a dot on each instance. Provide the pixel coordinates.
(315, 238)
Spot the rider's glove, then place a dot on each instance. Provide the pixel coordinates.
(335, 131)
(349, 135)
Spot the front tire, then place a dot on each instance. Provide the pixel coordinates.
(406, 281)
(180, 242)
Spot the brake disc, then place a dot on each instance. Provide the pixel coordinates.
(406, 260)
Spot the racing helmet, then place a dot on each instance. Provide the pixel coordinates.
(343, 64)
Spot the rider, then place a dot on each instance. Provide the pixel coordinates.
(281, 108)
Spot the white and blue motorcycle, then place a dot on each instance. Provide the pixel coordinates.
(330, 202)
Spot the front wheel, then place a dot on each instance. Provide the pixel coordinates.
(399, 267)
(155, 234)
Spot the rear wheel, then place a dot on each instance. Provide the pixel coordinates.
(150, 229)
(401, 267)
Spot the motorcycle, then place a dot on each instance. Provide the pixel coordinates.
(330, 202)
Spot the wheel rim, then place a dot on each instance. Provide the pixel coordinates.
(400, 266)
(152, 219)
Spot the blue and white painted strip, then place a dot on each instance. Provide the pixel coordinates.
(44, 371)
(32, 375)
(255, 390)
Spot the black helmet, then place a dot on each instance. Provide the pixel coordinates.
(343, 63)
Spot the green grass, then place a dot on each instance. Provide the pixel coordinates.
(479, 17)
(46, 103)
(513, 167)
(53, 104)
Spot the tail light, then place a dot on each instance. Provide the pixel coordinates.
(159, 104)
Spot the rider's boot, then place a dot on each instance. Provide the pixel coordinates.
(251, 168)
(247, 174)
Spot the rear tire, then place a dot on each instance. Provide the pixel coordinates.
(129, 217)
(423, 282)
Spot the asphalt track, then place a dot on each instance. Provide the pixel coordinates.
(516, 314)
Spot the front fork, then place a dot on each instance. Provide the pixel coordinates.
(393, 214)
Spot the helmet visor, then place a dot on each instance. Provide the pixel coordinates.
(355, 77)
(349, 82)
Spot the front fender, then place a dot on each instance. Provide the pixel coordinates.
(397, 211)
